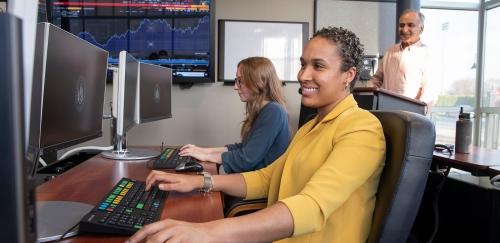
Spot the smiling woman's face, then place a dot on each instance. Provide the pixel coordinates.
(322, 82)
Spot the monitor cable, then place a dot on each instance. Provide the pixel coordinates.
(35, 160)
(435, 203)
(42, 162)
(110, 115)
(75, 150)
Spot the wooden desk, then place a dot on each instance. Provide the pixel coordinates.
(478, 162)
(90, 181)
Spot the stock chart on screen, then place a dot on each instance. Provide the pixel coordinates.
(172, 33)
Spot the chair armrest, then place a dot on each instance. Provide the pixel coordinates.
(242, 207)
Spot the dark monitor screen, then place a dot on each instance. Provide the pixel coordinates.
(17, 223)
(172, 33)
(128, 74)
(69, 83)
(154, 93)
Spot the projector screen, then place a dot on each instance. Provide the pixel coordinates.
(281, 42)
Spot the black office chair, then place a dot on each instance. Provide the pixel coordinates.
(410, 143)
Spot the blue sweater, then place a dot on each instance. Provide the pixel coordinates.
(268, 139)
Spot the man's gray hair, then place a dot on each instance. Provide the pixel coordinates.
(420, 14)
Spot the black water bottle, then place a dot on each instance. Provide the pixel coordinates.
(463, 133)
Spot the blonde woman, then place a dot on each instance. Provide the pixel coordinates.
(265, 133)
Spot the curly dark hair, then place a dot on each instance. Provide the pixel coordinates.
(349, 48)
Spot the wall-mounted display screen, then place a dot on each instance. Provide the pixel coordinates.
(281, 42)
(172, 33)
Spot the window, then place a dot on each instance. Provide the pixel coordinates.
(455, 74)
(444, 19)
(491, 87)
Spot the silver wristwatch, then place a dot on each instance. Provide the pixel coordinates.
(208, 182)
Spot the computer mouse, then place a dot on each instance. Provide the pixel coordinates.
(189, 167)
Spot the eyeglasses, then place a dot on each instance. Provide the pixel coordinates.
(237, 81)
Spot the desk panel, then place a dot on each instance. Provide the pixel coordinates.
(467, 207)
(494, 170)
(467, 204)
(91, 180)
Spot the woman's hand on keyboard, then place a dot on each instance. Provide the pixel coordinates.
(173, 182)
(194, 151)
(170, 230)
(203, 154)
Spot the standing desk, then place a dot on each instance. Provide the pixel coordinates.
(91, 180)
(372, 98)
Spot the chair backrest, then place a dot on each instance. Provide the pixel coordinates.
(410, 141)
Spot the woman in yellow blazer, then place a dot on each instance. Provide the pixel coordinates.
(322, 189)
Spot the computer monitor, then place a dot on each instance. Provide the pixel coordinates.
(154, 93)
(17, 206)
(69, 78)
(140, 94)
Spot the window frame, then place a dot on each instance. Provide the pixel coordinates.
(450, 5)
(480, 109)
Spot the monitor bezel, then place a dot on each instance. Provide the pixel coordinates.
(122, 85)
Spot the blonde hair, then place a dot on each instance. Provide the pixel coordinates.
(259, 75)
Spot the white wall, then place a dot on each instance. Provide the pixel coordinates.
(211, 114)
(373, 22)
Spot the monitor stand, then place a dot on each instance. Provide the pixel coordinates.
(121, 152)
(131, 154)
(55, 218)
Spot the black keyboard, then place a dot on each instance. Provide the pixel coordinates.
(126, 209)
(169, 159)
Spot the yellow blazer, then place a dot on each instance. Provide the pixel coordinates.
(328, 176)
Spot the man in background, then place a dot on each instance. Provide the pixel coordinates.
(405, 66)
